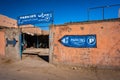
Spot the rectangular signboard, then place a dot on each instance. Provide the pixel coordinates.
(35, 18)
(79, 41)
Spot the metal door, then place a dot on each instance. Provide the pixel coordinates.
(21, 44)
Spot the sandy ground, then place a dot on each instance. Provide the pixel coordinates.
(33, 67)
(38, 51)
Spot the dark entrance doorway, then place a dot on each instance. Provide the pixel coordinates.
(36, 45)
(35, 41)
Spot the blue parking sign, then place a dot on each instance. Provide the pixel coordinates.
(79, 41)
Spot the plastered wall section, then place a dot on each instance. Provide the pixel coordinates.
(12, 52)
(107, 53)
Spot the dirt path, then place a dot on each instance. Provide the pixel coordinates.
(34, 68)
(39, 51)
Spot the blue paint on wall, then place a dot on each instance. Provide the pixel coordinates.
(11, 42)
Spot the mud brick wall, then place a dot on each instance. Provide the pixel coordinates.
(7, 22)
(2, 43)
(107, 53)
(12, 52)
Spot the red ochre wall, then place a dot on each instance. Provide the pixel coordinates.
(2, 43)
(107, 53)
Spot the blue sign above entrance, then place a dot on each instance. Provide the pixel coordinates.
(79, 41)
(35, 18)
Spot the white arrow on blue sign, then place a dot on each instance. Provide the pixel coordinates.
(79, 41)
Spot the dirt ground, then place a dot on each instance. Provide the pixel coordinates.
(33, 67)
(38, 51)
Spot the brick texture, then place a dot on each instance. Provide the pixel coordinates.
(107, 53)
